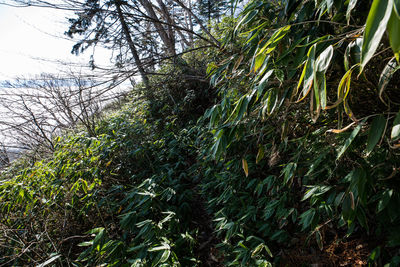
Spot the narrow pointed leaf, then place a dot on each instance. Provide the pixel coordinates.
(385, 77)
(245, 167)
(349, 140)
(397, 7)
(377, 21)
(350, 7)
(376, 132)
(260, 154)
(394, 34)
(324, 59)
(395, 134)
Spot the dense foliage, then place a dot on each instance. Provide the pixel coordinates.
(242, 172)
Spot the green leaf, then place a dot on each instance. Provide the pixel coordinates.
(318, 238)
(375, 133)
(275, 38)
(163, 247)
(384, 201)
(260, 154)
(350, 7)
(349, 140)
(375, 254)
(375, 27)
(55, 257)
(289, 171)
(259, 61)
(395, 134)
(396, 7)
(386, 75)
(266, 77)
(394, 33)
(271, 102)
(165, 256)
(324, 59)
(307, 218)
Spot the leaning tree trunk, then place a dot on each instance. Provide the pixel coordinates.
(167, 40)
(132, 45)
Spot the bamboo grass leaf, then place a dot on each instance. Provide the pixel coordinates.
(376, 132)
(394, 33)
(349, 140)
(377, 21)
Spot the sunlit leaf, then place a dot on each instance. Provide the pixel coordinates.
(324, 59)
(386, 75)
(350, 7)
(395, 134)
(375, 27)
(54, 258)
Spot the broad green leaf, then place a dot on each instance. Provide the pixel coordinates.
(324, 59)
(289, 171)
(384, 201)
(362, 218)
(349, 140)
(395, 134)
(394, 34)
(275, 38)
(307, 218)
(375, 27)
(259, 61)
(350, 7)
(376, 132)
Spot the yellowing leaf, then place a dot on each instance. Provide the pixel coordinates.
(245, 167)
(260, 154)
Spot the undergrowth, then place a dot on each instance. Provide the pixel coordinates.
(239, 174)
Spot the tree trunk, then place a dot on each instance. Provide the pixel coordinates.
(132, 45)
(167, 40)
(198, 20)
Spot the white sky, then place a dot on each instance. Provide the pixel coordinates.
(29, 33)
